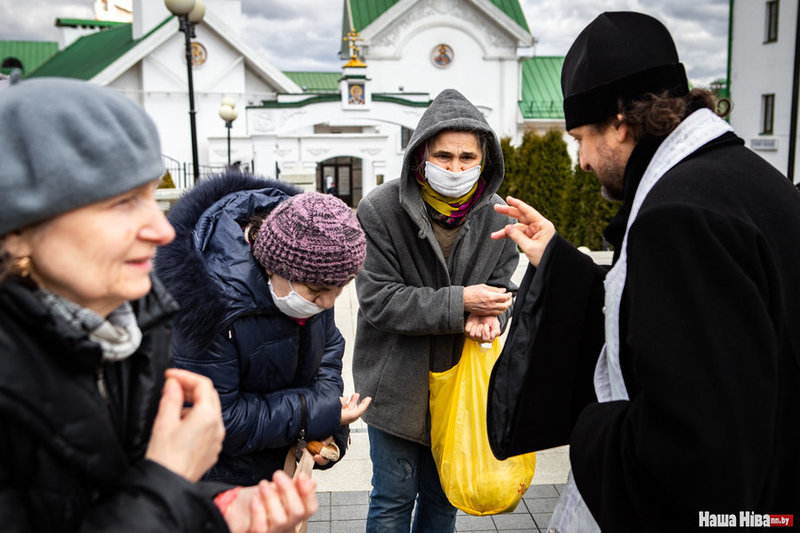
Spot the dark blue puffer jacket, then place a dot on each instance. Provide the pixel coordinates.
(276, 379)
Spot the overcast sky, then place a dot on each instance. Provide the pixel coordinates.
(305, 34)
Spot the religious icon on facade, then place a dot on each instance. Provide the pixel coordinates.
(442, 55)
(355, 94)
(199, 54)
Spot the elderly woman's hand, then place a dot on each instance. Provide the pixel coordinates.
(272, 507)
(187, 441)
(482, 328)
(352, 409)
(485, 300)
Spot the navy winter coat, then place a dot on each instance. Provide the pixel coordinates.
(277, 380)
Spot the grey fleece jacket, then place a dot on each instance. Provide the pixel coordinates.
(411, 309)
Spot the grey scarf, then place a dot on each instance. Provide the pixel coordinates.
(118, 334)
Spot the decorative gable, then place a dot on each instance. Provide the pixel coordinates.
(495, 33)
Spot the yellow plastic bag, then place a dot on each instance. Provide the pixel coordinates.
(472, 478)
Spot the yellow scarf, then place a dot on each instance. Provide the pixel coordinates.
(444, 204)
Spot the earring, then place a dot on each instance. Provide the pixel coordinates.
(23, 266)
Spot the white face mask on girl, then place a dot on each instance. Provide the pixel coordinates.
(451, 184)
(293, 304)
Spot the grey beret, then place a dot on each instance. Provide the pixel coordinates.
(66, 144)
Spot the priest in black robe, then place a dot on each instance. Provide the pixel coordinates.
(675, 375)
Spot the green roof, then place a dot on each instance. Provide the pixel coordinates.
(394, 99)
(323, 98)
(316, 82)
(30, 53)
(514, 12)
(91, 54)
(317, 99)
(90, 23)
(541, 88)
(364, 13)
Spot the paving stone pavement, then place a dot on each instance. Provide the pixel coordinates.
(346, 512)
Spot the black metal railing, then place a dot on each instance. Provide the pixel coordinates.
(182, 173)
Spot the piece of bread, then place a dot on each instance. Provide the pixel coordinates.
(328, 451)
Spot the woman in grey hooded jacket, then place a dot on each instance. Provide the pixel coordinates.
(432, 276)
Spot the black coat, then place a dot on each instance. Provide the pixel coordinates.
(70, 461)
(710, 350)
(276, 379)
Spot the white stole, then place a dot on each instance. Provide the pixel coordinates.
(696, 130)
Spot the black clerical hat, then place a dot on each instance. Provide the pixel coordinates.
(620, 54)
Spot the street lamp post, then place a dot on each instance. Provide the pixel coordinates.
(228, 113)
(189, 13)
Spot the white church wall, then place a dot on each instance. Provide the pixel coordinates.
(285, 136)
(129, 84)
(484, 64)
(256, 89)
(147, 14)
(241, 149)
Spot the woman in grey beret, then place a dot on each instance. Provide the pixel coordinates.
(97, 432)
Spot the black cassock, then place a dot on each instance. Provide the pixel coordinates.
(709, 349)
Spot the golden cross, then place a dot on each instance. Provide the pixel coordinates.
(353, 37)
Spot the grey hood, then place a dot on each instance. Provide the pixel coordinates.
(450, 111)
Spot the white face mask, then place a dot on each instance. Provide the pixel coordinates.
(451, 184)
(293, 304)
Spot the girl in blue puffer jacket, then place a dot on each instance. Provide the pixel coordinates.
(256, 267)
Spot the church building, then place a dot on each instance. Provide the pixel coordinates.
(343, 131)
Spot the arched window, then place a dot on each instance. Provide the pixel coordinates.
(11, 63)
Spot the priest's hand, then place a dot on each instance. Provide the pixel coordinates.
(532, 232)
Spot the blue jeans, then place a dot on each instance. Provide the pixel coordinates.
(403, 472)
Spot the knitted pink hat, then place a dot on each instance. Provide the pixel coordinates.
(311, 238)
